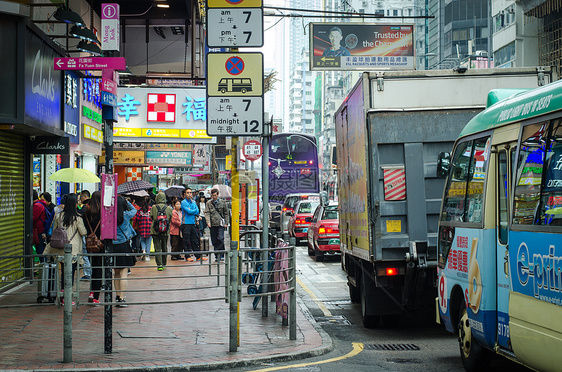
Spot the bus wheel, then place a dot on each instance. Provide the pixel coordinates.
(223, 91)
(474, 357)
(243, 90)
(369, 321)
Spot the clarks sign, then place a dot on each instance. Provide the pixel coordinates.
(50, 145)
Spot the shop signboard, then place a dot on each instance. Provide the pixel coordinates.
(361, 46)
(169, 158)
(71, 106)
(42, 84)
(50, 145)
(164, 115)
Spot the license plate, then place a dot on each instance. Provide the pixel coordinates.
(334, 241)
(305, 229)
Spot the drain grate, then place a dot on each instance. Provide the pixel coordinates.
(391, 347)
(335, 320)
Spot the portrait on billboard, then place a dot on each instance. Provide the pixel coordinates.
(361, 46)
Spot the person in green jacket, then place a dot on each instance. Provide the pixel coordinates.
(161, 216)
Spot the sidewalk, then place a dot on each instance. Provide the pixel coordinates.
(176, 336)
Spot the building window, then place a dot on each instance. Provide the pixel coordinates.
(505, 54)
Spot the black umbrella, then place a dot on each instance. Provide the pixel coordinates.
(175, 190)
(132, 186)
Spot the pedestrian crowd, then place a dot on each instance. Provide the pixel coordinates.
(143, 223)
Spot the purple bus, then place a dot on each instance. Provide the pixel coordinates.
(293, 168)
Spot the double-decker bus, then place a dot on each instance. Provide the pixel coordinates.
(293, 168)
(500, 232)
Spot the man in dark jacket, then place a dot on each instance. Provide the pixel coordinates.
(217, 215)
(39, 217)
(160, 238)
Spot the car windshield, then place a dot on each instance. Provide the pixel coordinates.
(330, 214)
(307, 207)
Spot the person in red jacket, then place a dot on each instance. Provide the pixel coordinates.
(39, 216)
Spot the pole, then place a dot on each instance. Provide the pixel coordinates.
(108, 243)
(235, 184)
(233, 297)
(265, 212)
(67, 332)
(293, 283)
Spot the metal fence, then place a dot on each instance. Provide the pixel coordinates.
(252, 273)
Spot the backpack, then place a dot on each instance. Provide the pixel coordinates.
(60, 238)
(161, 224)
(49, 217)
(93, 243)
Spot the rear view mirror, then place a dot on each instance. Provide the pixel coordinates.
(443, 164)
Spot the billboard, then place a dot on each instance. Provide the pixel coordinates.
(162, 115)
(361, 46)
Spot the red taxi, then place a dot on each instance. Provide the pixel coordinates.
(323, 234)
(301, 218)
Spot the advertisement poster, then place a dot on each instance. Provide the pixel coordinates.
(361, 46)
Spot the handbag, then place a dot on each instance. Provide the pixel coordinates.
(93, 243)
(59, 238)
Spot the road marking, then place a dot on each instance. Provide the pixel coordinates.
(357, 348)
(314, 298)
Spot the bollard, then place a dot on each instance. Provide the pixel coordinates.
(233, 296)
(293, 298)
(67, 332)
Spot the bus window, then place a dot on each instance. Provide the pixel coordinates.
(465, 189)
(529, 174)
(551, 198)
(502, 197)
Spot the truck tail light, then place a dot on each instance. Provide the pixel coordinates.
(390, 271)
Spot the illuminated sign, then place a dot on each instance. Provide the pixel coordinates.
(93, 133)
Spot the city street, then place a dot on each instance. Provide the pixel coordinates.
(323, 288)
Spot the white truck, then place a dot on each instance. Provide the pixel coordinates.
(389, 132)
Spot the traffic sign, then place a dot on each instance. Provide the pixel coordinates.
(252, 150)
(234, 3)
(234, 116)
(90, 63)
(235, 27)
(239, 74)
(108, 85)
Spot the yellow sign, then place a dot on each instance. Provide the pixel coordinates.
(235, 75)
(161, 133)
(127, 132)
(234, 3)
(93, 133)
(194, 133)
(393, 226)
(228, 165)
(126, 157)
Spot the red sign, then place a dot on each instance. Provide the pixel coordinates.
(90, 63)
(252, 150)
(161, 107)
(108, 86)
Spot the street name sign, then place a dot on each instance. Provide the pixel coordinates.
(235, 27)
(90, 63)
(108, 99)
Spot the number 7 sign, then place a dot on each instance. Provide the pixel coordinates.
(235, 27)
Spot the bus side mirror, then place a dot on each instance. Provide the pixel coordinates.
(324, 199)
(443, 164)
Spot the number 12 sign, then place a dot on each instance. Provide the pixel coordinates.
(234, 116)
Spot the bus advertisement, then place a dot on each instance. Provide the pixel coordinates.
(500, 232)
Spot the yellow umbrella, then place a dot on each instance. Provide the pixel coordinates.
(74, 175)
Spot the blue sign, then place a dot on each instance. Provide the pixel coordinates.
(71, 112)
(109, 113)
(108, 99)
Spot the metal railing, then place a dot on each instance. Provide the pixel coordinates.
(24, 279)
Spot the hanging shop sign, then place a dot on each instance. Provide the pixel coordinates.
(50, 145)
(170, 115)
(42, 84)
(180, 158)
(71, 106)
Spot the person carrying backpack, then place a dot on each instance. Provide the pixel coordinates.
(39, 222)
(161, 216)
(49, 216)
(144, 223)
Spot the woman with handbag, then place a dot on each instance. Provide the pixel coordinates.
(122, 244)
(92, 217)
(68, 228)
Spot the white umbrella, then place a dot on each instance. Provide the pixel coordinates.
(225, 191)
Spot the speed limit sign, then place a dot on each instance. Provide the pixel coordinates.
(252, 150)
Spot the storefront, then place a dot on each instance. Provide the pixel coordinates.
(30, 107)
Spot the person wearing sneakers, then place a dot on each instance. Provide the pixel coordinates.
(143, 222)
(122, 244)
(189, 230)
(161, 216)
(92, 217)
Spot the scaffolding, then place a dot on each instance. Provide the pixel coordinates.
(550, 34)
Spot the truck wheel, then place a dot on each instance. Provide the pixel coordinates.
(369, 321)
(354, 293)
(474, 357)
